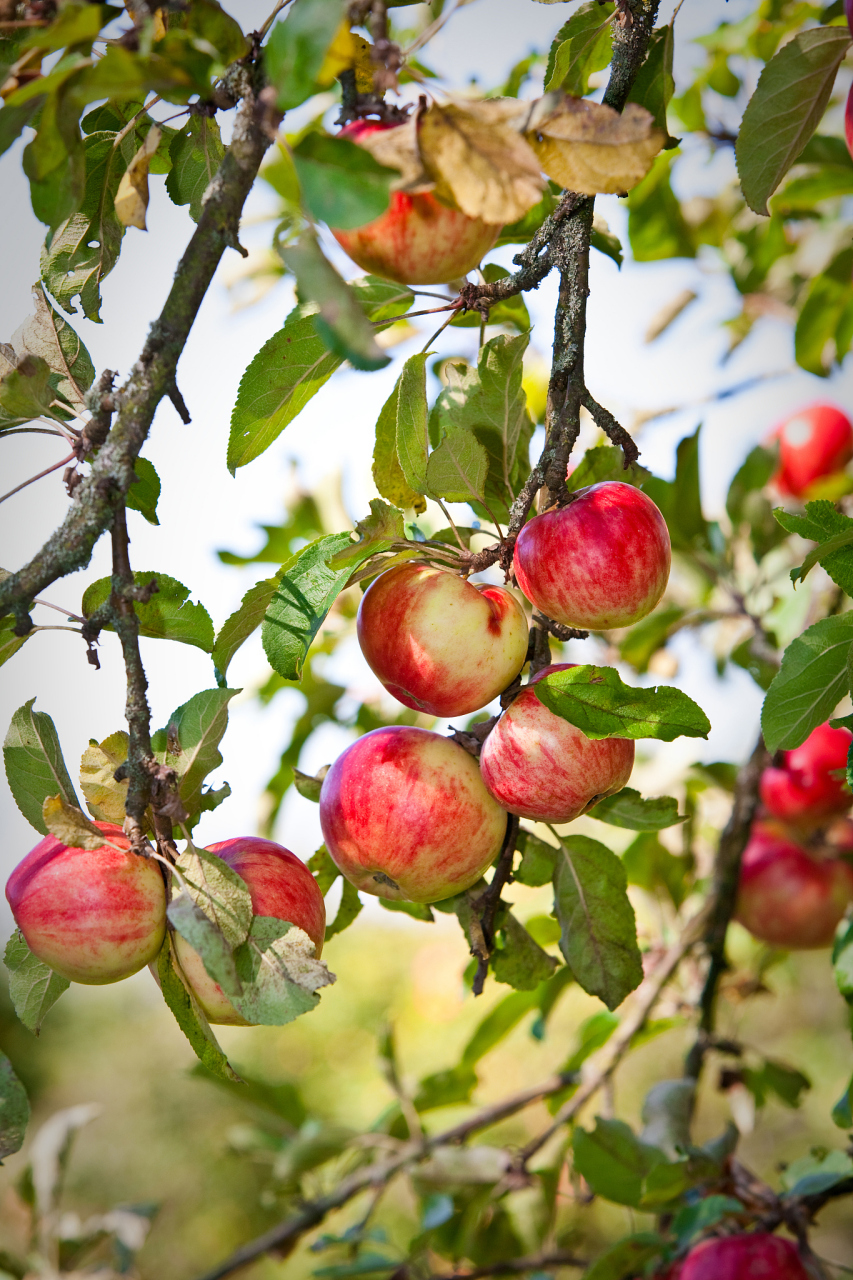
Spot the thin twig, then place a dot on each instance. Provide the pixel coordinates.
(62, 462)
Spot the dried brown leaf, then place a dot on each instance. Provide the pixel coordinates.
(590, 148)
(131, 199)
(398, 149)
(70, 825)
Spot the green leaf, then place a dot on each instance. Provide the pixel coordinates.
(537, 860)
(189, 1016)
(627, 1257)
(219, 891)
(518, 960)
(603, 239)
(842, 963)
(596, 700)
(786, 1083)
(279, 974)
(25, 391)
(754, 473)
(593, 1034)
(34, 764)
(351, 905)
(522, 232)
(208, 20)
(48, 335)
(190, 744)
(303, 596)
(457, 469)
(143, 495)
(842, 1112)
(412, 435)
(649, 635)
(33, 987)
(826, 317)
(446, 1088)
(680, 501)
(387, 472)
(788, 104)
(417, 910)
(340, 319)
(812, 1176)
(291, 367)
(667, 1114)
(342, 184)
(497, 1025)
(656, 226)
(168, 615)
(811, 682)
(582, 46)
(694, 1219)
(191, 922)
(509, 311)
(651, 866)
(236, 629)
(832, 530)
(14, 1110)
(599, 939)
(75, 24)
(604, 462)
(323, 869)
(296, 47)
(613, 1160)
(196, 153)
(377, 532)
(654, 86)
(9, 642)
(627, 808)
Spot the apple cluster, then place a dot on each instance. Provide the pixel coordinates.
(795, 881)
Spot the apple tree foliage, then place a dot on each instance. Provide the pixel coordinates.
(105, 97)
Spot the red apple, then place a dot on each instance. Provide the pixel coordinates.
(848, 7)
(279, 885)
(93, 915)
(806, 788)
(539, 766)
(746, 1257)
(787, 897)
(441, 644)
(848, 110)
(814, 442)
(600, 562)
(418, 240)
(405, 814)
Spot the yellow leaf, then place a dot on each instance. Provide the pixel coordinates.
(159, 20)
(589, 148)
(70, 825)
(398, 149)
(476, 151)
(348, 52)
(104, 796)
(131, 199)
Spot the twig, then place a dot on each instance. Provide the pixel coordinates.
(620, 437)
(40, 476)
(487, 904)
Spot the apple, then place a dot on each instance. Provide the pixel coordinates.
(600, 562)
(848, 110)
(405, 814)
(441, 644)
(814, 442)
(848, 7)
(417, 240)
(787, 897)
(539, 766)
(279, 885)
(93, 915)
(758, 1256)
(805, 788)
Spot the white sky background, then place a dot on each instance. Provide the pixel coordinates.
(202, 508)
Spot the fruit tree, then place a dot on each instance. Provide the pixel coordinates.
(516, 597)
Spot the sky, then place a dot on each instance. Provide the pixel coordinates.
(202, 508)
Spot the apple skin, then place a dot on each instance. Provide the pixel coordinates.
(440, 644)
(94, 915)
(406, 815)
(848, 9)
(759, 1256)
(802, 789)
(848, 110)
(785, 896)
(539, 766)
(814, 442)
(600, 562)
(279, 885)
(418, 240)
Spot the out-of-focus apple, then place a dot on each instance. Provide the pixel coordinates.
(759, 1256)
(600, 562)
(539, 766)
(405, 814)
(418, 240)
(814, 442)
(438, 643)
(787, 897)
(279, 885)
(93, 915)
(806, 789)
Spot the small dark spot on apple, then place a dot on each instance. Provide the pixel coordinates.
(381, 878)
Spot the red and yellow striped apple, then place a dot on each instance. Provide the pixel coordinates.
(441, 644)
(417, 240)
(279, 885)
(94, 915)
(406, 815)
(598, 563)
(539, 766)
(809, 787)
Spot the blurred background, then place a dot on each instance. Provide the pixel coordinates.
(165, 1135)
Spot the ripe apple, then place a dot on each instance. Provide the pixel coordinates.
(539, 766)
(600, 562)
(848, 110)
(441, 644)
(405, 814)
(746, 1257)
(814, 442)
(93, 915)
(787, 897)
(279, 885)
(803, 790)
(417, 240)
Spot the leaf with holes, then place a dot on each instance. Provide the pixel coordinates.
(279, 973)
(190, 745)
